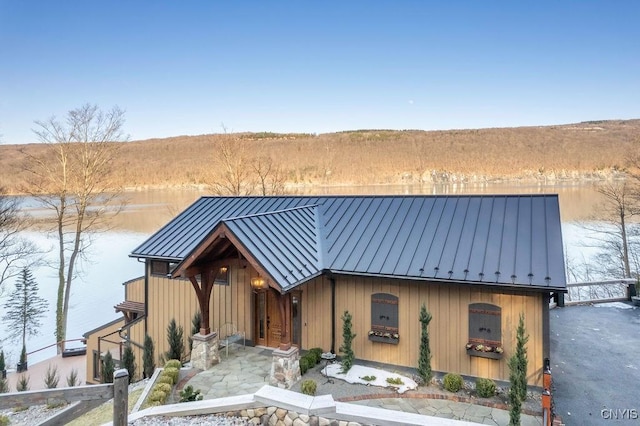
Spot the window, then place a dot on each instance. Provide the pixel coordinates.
(384, 318)
(222, 278)
(296, 318)
(159, 268)
(96, 366)
(485, 330)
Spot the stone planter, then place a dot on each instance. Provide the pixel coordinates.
(636, 300)
(21, 367)
(3, 374)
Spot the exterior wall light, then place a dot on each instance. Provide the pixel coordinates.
(258, 282)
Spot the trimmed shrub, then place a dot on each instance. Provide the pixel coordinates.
(452, 382)
(309, 387)
(158, 396)
(485, 388)
(347, 346)
(108, 368)
(173, 373)
(129, 362)
(148, 364)
(163, 387)
(173, 363)
(304, 365)
(175, 340)
(165, 379)
(368, 378)
(317, 354)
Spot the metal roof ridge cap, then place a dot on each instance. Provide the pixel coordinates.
(246, 216)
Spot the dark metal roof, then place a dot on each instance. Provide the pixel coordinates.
(491, 239)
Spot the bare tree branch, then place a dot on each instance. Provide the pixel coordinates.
(73, 178)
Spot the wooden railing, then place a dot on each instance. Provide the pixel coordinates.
(598, 291)
(94, 395)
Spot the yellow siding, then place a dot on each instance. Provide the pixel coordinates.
(92, 345)
(134, 290)
(177, 299)
(448, 330)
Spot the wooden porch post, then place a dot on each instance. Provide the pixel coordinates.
(284, 302)
(203, 293)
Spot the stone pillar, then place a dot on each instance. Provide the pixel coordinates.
(285, 368)
(204, 353)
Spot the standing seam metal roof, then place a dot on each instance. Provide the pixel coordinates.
(491, 239)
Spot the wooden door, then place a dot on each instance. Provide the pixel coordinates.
(268, 325)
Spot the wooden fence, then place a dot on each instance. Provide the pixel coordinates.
(88, 396)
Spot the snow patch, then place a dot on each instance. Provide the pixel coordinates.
(357, 371)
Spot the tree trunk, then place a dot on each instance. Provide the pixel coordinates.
(60, 313)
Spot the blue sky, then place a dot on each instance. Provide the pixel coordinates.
(298, 66)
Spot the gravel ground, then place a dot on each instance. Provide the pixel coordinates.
(31, 416)
(191, 420)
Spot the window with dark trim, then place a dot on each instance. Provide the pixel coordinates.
(159, 268)
(384, 318)
(485, 330)
(222, 278)
(96, 366)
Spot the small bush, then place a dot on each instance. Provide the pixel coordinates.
(148, 364)
(395, 381)
(165, 379)
(309, 387)
(51, 378)
(4, 420)
(129, 362)
(485, 388)
(173, 363)
(188, 394)
(452, 382)
(304, 365)
(108, 368)
(368, 378)
(163, 387)
(173, 373)
(23, 383)
(158, 396)
(4, 385)
(72, 378)
(317, 354)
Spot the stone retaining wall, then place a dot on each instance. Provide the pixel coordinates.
(275, 416)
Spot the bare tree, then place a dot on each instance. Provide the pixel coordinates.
(271, 178)
(612, 231)
(73, 179)
(15, 251)
(232, 168)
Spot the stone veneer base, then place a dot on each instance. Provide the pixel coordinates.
(204, 353)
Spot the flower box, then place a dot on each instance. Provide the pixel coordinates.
(483, 354)
(384, 337)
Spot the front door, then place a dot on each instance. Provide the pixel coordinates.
(268, 325)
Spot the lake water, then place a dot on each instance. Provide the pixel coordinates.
(99, 285)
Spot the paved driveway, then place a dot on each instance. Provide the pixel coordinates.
(595, 360)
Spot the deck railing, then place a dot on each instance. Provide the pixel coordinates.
(598, 291)
(90, 396)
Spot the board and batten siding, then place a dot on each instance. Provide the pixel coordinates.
(176, 298)
(134, 290)
(448, 330)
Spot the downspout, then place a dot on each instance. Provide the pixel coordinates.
(146, 296)
(333, 314)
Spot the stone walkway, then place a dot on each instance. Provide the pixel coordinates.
(247, 370)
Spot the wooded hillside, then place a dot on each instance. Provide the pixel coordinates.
(574, 151)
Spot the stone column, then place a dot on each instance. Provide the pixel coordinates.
(204, 353)
(285, 368)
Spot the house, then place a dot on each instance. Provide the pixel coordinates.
(284, 270)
